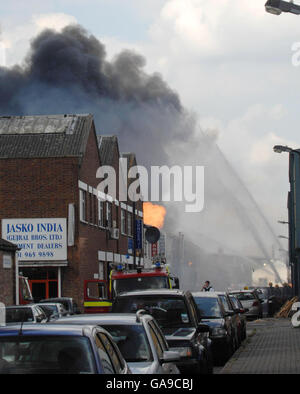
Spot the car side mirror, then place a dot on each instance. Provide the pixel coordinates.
(39, 319)
(202, 328)
(170, 357)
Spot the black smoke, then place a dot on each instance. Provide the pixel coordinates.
(68, 72)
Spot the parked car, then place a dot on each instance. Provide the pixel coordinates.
(53, 310)
(212, 312)
(176, 313)
(234, 317)
(139, 339)
(29, 313)
(251, 301)
(263, 295)
(238, 308)
(59, 349)
(69, 304)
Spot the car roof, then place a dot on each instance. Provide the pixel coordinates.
(19, 306)
(105, 318)
(46, 329)
(242, 291)
(206, 294)
(171, 292)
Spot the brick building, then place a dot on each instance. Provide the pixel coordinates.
(7, 272)
(67, 229)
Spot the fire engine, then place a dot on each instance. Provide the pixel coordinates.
(98, 297)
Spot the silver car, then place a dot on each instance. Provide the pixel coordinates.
(138, 337)
(250, 300)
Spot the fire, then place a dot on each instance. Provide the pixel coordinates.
(154, 215)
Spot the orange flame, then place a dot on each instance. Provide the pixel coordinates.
(154, 215)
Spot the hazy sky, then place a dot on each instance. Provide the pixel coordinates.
(229, 60)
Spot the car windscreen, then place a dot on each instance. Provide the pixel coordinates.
(18, 315)
(208, 307)
(168, 311)
(245, 296)
(46, 355)
(140, 283)
(132, 341)
(50, 310)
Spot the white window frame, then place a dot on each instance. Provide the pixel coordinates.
(123, 221)
(100, 213)
(82, 205)
(109, 214)
(129, 224)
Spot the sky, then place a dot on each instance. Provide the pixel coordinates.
(230, 62)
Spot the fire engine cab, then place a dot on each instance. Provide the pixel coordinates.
(98, 298)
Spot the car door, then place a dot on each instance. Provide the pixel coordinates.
(161, 343)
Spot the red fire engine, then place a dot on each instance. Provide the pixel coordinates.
(98, 297)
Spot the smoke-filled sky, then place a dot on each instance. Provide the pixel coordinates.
(227, 62)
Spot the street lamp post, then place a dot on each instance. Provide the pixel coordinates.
(276, 7)
(294, 218)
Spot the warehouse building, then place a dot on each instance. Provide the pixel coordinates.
(51, 207)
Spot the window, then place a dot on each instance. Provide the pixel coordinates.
(123, 221)
(112, 352)
(129, 223)
(101, 213)
(95, 216)
(225, 303)
(208, 307)
(46, 354)
(91, 208)
(159, 335)
(105, 359)
(132, 341)
(96, 290)
(82, 196)
(157, 345)
(108, 214)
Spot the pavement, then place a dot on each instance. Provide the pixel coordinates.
(272, 347)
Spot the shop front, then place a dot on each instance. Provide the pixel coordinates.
(42, 252)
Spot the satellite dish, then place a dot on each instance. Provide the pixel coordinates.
(152, 235)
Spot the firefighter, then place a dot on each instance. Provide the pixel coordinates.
(207, 286)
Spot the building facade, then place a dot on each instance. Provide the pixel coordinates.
(7, 272)
(67, 229)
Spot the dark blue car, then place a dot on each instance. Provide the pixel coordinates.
(50, 349)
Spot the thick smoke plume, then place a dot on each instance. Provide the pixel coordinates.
(68, 72)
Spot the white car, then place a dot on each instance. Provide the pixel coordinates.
(139, 339)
